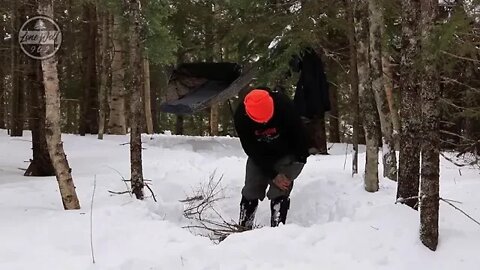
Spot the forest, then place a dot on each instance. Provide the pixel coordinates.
(403, 79)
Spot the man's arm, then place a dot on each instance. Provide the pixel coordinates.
(296, 131)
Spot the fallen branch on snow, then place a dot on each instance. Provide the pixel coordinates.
(207, 221)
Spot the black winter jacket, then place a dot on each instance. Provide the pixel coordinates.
(283, 135)
(312, 96)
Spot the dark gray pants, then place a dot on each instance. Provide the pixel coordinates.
(256, 182)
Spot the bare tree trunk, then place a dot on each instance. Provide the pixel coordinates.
(17, 97)
(147, 95)
(104, 69)
(40, 164)
(334, 125)
(52, 123)
(210, 47)
(89, 115)
(179, 125)
(371, 122)
(117, 123)
(354, 81)
(388, 82)
(430, 94)
(214, 120)
(376, 74)
(3, 91)
(317, 134)
(408, 174)
(135, 84)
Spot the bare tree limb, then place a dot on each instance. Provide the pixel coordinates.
(461, 211)
(151, 191)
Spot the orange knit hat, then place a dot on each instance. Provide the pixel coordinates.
(259, 105)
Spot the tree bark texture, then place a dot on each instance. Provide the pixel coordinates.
(430, 94)
(3, 91)
(147, 96)
(409, 169)
(354, 80)
(135, 85)
(376, 73)
(117, 123)
(214, 116)
(18, 97)
(40, 164)
(52, 123)
(89, 108)
(389, 90)
(210, 51)
(317, 134)
(104, 67)
(179, 124)
(371, 122)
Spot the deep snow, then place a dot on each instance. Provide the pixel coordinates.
(332, 224)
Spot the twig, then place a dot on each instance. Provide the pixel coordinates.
(195, 198)
(329, 148)
(91, 217)
(208, 221)
(471, 163)
(460, 57)
(461, 211)
(447, 79)
(119, 192)
(124, 180)
(453, 201)
(403, 200)
(151, 191)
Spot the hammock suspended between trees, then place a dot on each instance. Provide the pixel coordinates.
(194, 87)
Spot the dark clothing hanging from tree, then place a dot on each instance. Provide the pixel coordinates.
(312, 95)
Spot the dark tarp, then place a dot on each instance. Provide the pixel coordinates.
(196, 86)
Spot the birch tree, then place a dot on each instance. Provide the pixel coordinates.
(376, 73)
(52, 123)
(354, 80)
(117, 123)
(367, 98)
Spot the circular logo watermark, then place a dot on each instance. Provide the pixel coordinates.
(40, 37)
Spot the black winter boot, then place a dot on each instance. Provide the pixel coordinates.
(247, 213)
(279, 208)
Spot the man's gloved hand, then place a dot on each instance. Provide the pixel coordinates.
(282, 182)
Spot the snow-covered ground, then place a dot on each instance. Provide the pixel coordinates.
(332, 224)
